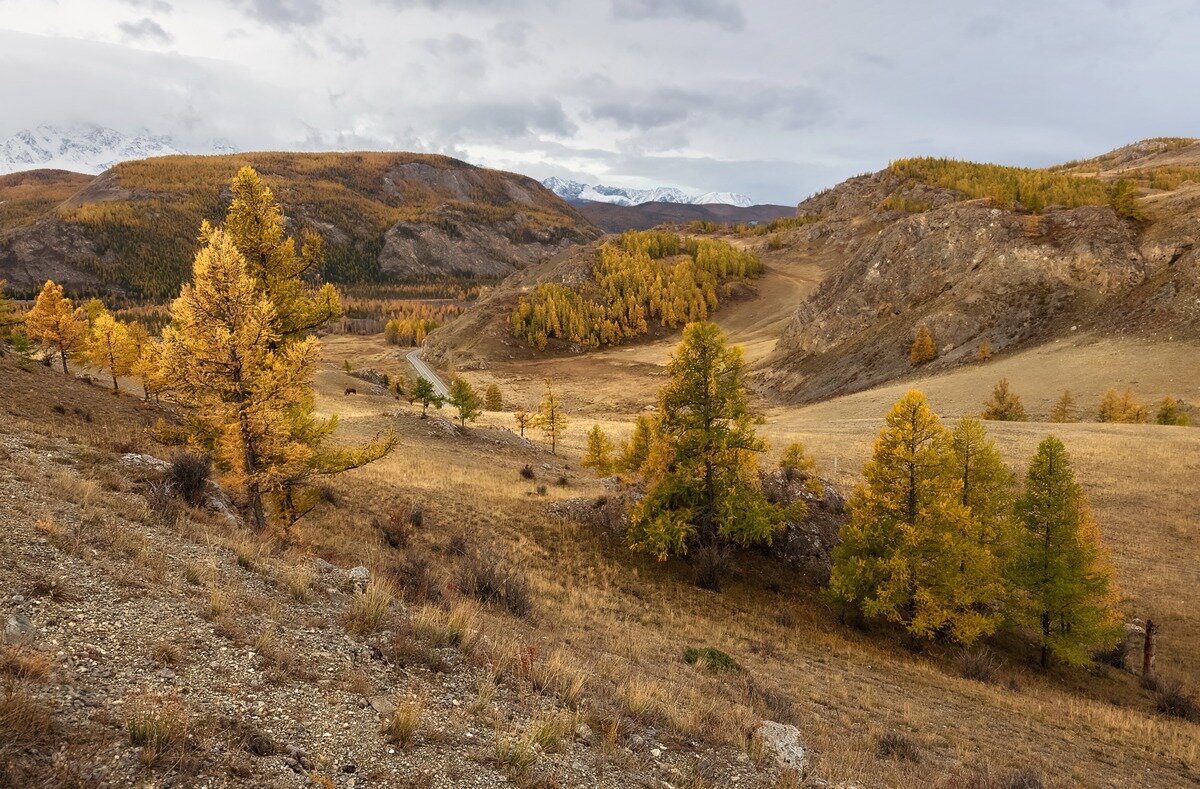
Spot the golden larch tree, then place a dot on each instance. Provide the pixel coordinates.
(923, 348)
(111, 348)
(56, 323)
(550, 418)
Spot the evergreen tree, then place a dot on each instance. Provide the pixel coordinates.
(550, 418)
(987, 485)
(985, 350)
(703, 468)
(1065, 409)
(424, 393)
(1005, 405)
(55, 323)
(111, 348)
(10, 320)
(1061, 569)
(923, 347)
(599, 452)
(493, 398)
(636, 450)
(255, 224)
(524, 419)
(247, 392)
(465, 399)
(1170, 412)
(911, 551)
(1123, 199)
(1122, 407)
(149, 369)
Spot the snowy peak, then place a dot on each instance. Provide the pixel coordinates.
(84, 148)
(574, 190)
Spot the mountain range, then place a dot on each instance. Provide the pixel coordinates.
(84, 148)
(577, 192)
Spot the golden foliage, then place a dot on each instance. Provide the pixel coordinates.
(56, 323)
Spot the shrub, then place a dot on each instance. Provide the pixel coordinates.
(978, 664)
(1170, 412)
(418, 579)
(1122, 407)
(710, 564)
(542, 490)
(1005, 405)
(923, 348)
(527, 472)
(491, 579)
(899, 746)
(189, 476)
(159, 728)
(711, 658)
(1173, 698)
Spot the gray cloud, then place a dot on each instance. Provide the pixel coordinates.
(725, 13)
(347, 47)
(283, 14)
(513, 118)
(158, 6)
(145, 29)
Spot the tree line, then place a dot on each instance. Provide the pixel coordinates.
(647, 276)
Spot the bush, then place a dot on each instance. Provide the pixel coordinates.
(189, 476)
(1122, 407)
(417, 578)
(1173, 698)
(527, 471)
(978, 664)
(710, 658)
(491, 579)
(370, 607)
(899, 746)
(711, 564)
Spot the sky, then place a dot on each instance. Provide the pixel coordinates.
(771, 98)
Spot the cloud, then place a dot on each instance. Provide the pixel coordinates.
(158, 6)
(348, 47)
(145, 29)
(283, 14)
(725, 13)
(512, 118)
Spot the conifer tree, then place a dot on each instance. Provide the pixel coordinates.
(466, 400)
(255, 224)
(1122, 407)
(910, 552)
(703, 467)
(923, 347)
(111, 348)
(247, 392)
(524, 419)
(636, 450)
(1061, 570)
(1170, 412)
(796, 462)
(493, 398)
(1065, 409)
(55, 323)
(1123, 199)
(424, 393)
(985, 350)
(149, 369)
(599, 452)
(988, 486)
(10, 320)
(550, 418)
(1005, 405)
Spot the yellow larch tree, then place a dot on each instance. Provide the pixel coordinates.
(56, 323)
(111, 348)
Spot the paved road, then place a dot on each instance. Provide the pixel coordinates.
(425, 371)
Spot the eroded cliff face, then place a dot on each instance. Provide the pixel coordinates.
(971, 271)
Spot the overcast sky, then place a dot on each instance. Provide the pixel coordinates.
(773, 98)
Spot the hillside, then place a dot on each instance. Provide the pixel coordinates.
(27, 195)
(384, 216)
(615, 218)
(974, 263)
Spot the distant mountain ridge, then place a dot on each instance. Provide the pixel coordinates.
(577, 191)
(84, 148)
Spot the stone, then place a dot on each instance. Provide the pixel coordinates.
(583, 733)
(145, 461)
(781, 742)
(359, 575)
(383, 705)
(17, 627)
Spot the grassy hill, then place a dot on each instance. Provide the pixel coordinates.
(384, 216)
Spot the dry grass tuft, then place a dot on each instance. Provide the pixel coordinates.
(25, 719)
(160, 727)
(516, 754)
(491, 578)
(22, 664)
(402, 726)
(370, 607)
(297, 578)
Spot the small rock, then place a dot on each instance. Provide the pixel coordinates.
(583, 733)
(322, 566)
(382, 704)
(359, 575)
(17, 628)
(656, 752)
(782, 742)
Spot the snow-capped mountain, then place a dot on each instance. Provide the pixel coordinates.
(574, 190)
(84, 148)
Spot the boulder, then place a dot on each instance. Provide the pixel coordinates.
(781, 742)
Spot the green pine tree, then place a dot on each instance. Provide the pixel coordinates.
(636, 450)
(599, 452)
(1061, 570)
(424, 393)
(703, 467)
(465, 399)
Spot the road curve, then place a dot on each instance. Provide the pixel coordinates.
(425, 371)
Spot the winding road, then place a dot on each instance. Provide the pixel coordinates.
(425, 371)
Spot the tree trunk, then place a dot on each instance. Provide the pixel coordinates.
(115, 387)
(1149, 648)
(64, 361)
(1045, 640)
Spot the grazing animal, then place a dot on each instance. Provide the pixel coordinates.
(351, 391)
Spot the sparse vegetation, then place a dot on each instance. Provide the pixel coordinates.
(493, 579)
(1122, 407)
(1170, 412)
(923, 349)
(1004, 405)
(710, 658)
(1065, 410)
